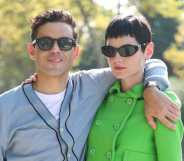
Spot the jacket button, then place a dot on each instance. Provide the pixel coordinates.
(98, 122)
(68, 156)
(116, 126)
(129, 101)
(62, 130)
(109, 155)
(92, 151)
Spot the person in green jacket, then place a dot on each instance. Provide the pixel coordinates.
(120, 131)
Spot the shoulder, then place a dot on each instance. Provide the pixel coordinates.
(96, 81)
(11, 92)
(11, 96)
(93, 76)
(91, 73)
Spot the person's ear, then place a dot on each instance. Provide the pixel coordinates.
(31, 51)
(149, 50)
(76, 52)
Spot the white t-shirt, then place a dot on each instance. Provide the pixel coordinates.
(52, 102)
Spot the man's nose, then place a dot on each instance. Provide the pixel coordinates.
(55, 47)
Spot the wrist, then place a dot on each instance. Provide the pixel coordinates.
(151, 84)
(150, 91)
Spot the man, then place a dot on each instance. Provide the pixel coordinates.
(50, 118)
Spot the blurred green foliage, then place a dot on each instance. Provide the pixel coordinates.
(175, 53)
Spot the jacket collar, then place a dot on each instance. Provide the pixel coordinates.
(136, 91)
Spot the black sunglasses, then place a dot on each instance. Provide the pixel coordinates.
(47, 43)
(124, 50)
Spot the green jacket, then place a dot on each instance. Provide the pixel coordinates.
(120, 131)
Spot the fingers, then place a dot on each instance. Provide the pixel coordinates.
(174, 109)
(164, 110)
(171, 116)
(173, 113)
(168, 123)
(151, 121)
(31, 79)
(164, 120)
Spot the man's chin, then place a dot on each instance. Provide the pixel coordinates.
(56, 73)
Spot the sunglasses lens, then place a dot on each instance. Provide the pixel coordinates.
(127, 50)
(45, 43)
(108, 51)
(66, 43)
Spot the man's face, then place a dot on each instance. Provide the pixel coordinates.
(53, 62)
(126, 68)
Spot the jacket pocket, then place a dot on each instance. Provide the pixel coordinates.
(138, 156)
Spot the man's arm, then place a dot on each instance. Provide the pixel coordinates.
(3, 134)
(156, 71)
(156, 104)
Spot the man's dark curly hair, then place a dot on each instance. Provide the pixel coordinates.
(52, 16)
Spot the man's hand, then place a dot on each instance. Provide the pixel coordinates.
(159, 106)
(31, 79)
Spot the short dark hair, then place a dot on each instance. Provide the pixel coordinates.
(52, 16)
(130, 25)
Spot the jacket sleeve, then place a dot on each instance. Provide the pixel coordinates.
(169, 142)
(3, 131)
(156, 70)
(102, 79)
(95, 80)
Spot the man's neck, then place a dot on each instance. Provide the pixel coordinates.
(52, 84)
